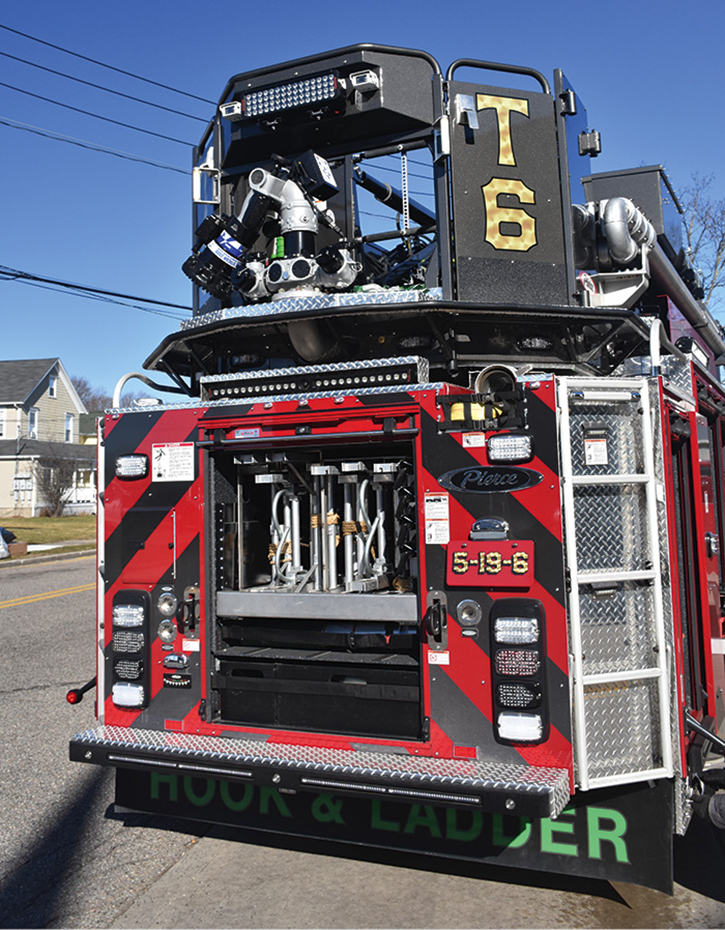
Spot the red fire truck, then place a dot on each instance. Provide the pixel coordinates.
(425, 551)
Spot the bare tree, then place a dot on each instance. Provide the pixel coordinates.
(54, 474)
(705, 231)
(96, 399)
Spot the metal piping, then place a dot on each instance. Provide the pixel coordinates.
(626, 228)
(666, 279)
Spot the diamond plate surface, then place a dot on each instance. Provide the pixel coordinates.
(622, 721)
(422, 770)
(617, 628)
(623, 434)
(301, 305)
(611, 528)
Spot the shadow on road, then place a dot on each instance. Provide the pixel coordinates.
(30, 893)
(700, 860)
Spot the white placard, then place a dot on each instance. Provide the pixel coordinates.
(172, 461)
(437, 519)
(595, 452)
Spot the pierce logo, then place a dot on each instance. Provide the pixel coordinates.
(479, 479)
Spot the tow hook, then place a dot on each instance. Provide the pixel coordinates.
(75, 695)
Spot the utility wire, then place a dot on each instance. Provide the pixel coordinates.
(106, 119)
(103, 64)
(22, 277)
(101, 299)
(92, 146)
(108, 90)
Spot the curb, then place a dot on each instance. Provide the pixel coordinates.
(37, 559)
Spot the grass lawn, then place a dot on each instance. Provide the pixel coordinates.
(40, 530)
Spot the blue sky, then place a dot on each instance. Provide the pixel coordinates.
(651, 76)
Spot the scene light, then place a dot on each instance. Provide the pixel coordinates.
(510, 447)
(132, 466)
(128, 615)
(516, 631)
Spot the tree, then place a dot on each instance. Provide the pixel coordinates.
(54, 475)
(96, 399)
(705, 232)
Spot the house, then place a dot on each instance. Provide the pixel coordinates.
(39, 426)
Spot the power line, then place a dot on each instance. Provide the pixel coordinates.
(26, 277)
(103, 64)
(91, 146)
(108, 90)
(106, 119)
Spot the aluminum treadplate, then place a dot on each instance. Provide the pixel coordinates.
(518, 789)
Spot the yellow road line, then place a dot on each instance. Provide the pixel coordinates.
(34, 598)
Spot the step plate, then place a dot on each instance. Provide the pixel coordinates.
(516, 789)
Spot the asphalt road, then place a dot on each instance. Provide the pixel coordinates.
(67, 860)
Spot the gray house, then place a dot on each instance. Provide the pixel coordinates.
(39, 426)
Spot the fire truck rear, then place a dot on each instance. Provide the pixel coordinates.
(427, 553)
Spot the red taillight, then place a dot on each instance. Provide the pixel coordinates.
(74, 696)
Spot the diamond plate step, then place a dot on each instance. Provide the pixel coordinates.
(518, 789)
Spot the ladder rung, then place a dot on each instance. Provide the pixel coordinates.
(603, 480)
(604, 678)
(623, 575)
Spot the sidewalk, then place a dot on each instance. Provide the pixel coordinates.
(49, 555)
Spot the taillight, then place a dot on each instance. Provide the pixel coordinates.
(519, 670)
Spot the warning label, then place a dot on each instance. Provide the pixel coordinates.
(172, 461)
(437, 519)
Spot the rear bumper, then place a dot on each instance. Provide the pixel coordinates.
(523, 790)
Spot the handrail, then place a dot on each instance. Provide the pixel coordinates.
(497, 66)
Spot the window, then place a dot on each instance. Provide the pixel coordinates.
(53, 386)
(33, 423)
(69, 427)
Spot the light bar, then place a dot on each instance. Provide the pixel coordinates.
(520, 728)
(516, 631)
(522, 662)
(132, 466)
(290, 96)
(510, 447)
(127, 695)
(128, 615)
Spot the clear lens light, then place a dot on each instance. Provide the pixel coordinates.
(132, 466)
(510, 448)
(127, 695)
(128, 615)
(520, 728)
(167, 604)
(516, 630)
(167, 631)
(125, 641)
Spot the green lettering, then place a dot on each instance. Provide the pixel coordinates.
(199, 800)
(326, 809)
(426, 818)
(271, 794)
(229, 801)
(614, 834)
(550, 827)
(377, 822)
(454, 832)
(512, 842)
(157, 779)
